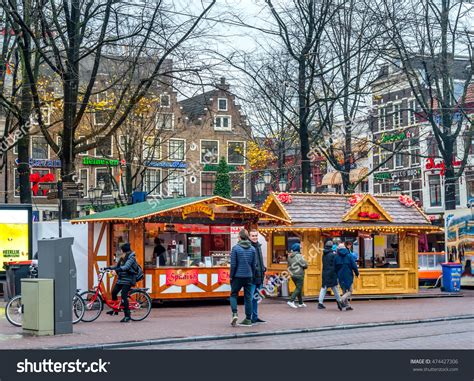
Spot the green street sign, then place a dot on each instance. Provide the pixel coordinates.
(100, 161)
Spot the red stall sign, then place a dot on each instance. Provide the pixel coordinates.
(220, 229)
(223, 276)
(180, 277)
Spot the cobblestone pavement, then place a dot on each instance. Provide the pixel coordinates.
(443, 335)
(182, 319)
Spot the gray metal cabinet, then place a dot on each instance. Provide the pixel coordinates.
(38, 306)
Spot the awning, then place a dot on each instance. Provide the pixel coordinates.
(332, 178)
(358, 174)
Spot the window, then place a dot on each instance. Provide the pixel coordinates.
(416, 192)
(456, 192)
(376, 188)
(39, 148)
(176, 182)
(237, 184)
(412, 109)
(467, 144)
(84, 180)
(386, 156)
(85, 153)
(236, 152)
(36, 193)
(164, 121)
(432, 147)
(399, 159)
(103, 174)
(152, 181)
(104, 146)
(209, 151)
(45, 115)
(100, 117)
(222, 104)
(152, 148)
(176, 149)
(397, 116)
(123, 144)
(281, 245)
(382, 118)
(435, 190)
(470, 184)
(208, 182)
(384, 254)
(415, 151)
(165, 100)
(222, 123)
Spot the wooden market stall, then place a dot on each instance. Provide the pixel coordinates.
(197, 233)
(384, 230)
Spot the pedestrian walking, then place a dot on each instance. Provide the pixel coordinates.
(349, 246)
(126, 275)
(345, 269)
(296, 267)
(329, 276)
(242, 270)
(259, 276)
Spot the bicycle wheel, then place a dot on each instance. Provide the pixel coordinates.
(140, 305)
(93, 305)
(14, 311)
(78, 308)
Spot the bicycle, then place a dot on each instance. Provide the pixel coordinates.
(138, 299)
(15, 308)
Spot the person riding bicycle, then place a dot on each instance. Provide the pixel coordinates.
(126, 274)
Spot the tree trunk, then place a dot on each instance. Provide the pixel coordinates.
(303, 127)
(449, 188)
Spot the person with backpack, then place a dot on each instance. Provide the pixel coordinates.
(329, 276)
(128, 273)
(296, 267)
(346, 267)
(242, 270)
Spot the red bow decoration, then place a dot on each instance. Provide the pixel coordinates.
(355, 198)
(285, 198)
(35, 178)
(363, 214)
(406, 200)
(374, 216)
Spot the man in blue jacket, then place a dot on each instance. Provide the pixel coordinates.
(242, 270)
(345, 268)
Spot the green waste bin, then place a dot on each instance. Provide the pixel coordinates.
(38, 306)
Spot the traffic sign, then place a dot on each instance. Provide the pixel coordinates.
(71, 195)
(71, 185)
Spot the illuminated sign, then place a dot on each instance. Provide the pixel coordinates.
(180, 277)
(165, 164)
(199, 208)
(102, 161)
(14, 235)
(41, 163)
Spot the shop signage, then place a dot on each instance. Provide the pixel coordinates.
(41, 163)
(165, 164)
(101, 161)
(232, 168)
(199, 208)
(364, 235)
(432, 166)
(192, 228)
(394, 137)
(382, 176)
(180, 277)
(220, 229)
(223, 276)
(407, 173)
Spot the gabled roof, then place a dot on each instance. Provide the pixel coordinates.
(198, 106)
(368, 202)
(327, 210)
(160, 207)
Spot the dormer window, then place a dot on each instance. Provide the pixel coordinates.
(222, 104)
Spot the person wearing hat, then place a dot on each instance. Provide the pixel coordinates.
(329, 276)
(126, 275)
(296, 267)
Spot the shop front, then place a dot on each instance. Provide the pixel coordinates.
(183, 244)
(384, 231)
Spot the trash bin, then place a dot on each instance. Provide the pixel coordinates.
(451, 276)
(284, 288)
(15, 272)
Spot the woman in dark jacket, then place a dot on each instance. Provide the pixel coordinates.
(345, 269)
(329, 276)
(126, 273)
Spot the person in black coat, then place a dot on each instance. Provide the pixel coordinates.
(329, 278)
(126, 273)
(259, 276)
(159, 253)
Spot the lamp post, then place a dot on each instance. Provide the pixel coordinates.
(259, 188)
(96, 196)
(282, 184)
(115, 194)
(267, 177)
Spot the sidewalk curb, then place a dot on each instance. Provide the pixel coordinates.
(176, 340)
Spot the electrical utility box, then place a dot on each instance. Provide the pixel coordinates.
(55, 261)
(37, 296)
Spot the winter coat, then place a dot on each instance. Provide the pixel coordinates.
(242, 260)
(125, 269)
(345, 268)
(329, 268)
(259, 265)
(296, 265)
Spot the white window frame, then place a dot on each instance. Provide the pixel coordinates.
(174, 172)
(226, 104)
(382, 157)
(31, 147)
(96, 182)
(223, 128)
(169, 100)
(95, 120)
(382, 118)
(398, 155)
(245, 151)
(157, 127)
(46, 116)
(200, 180)
(86, 153)
(158, 191)
(111, 147)
(245, 185)
(200, 150)
(412, 112)
(157, 154)
(169, 150)
(399, 106)
(86, 186)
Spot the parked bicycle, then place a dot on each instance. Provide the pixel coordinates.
(138, 299)
(14, 308)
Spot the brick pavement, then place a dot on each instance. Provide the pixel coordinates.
(190, 319)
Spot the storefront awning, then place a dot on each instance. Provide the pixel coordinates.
(332, 178)
(358, 174)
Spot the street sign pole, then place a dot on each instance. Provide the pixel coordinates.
(60, 208)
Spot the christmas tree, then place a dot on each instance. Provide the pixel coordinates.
(222, 187)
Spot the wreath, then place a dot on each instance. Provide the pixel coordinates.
(355, 198)
(406, 200)
(285, 198)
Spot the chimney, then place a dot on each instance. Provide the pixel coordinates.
(222, 85)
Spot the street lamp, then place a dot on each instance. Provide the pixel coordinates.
(313, 187)
(260, 186)
(101, 184)
(95, 195)
(115, 193)
(267, 177)
(282, 184)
